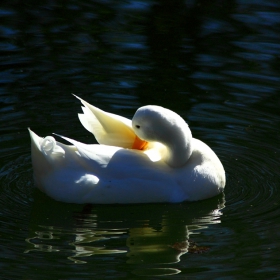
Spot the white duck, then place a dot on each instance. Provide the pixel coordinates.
(152, 158)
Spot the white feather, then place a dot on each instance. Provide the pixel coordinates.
(174, 167)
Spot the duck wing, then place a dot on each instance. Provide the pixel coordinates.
(108, 129)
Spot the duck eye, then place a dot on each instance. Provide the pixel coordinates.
(137, 126)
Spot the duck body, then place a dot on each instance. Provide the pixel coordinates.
(118, 173)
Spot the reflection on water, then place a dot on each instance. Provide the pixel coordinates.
(156, 271)
(43, 239)
(152, 236)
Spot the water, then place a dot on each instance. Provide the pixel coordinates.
(216, 64)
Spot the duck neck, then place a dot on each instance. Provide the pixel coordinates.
(179, 148)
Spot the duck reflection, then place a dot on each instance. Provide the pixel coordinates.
(148, 233)
(149, 245)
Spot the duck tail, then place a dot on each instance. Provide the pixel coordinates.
(40, 161)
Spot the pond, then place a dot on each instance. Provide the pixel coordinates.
(217, 64)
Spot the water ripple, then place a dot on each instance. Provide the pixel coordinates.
(252, 187)
(16, 191)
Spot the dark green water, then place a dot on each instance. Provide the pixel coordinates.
(216, 63)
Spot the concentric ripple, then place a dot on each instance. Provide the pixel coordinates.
(253, 189)
(16, 182)
(253, 184)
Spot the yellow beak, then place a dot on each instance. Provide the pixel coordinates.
(139, 144)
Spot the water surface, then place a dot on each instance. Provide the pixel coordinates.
(216, 64)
